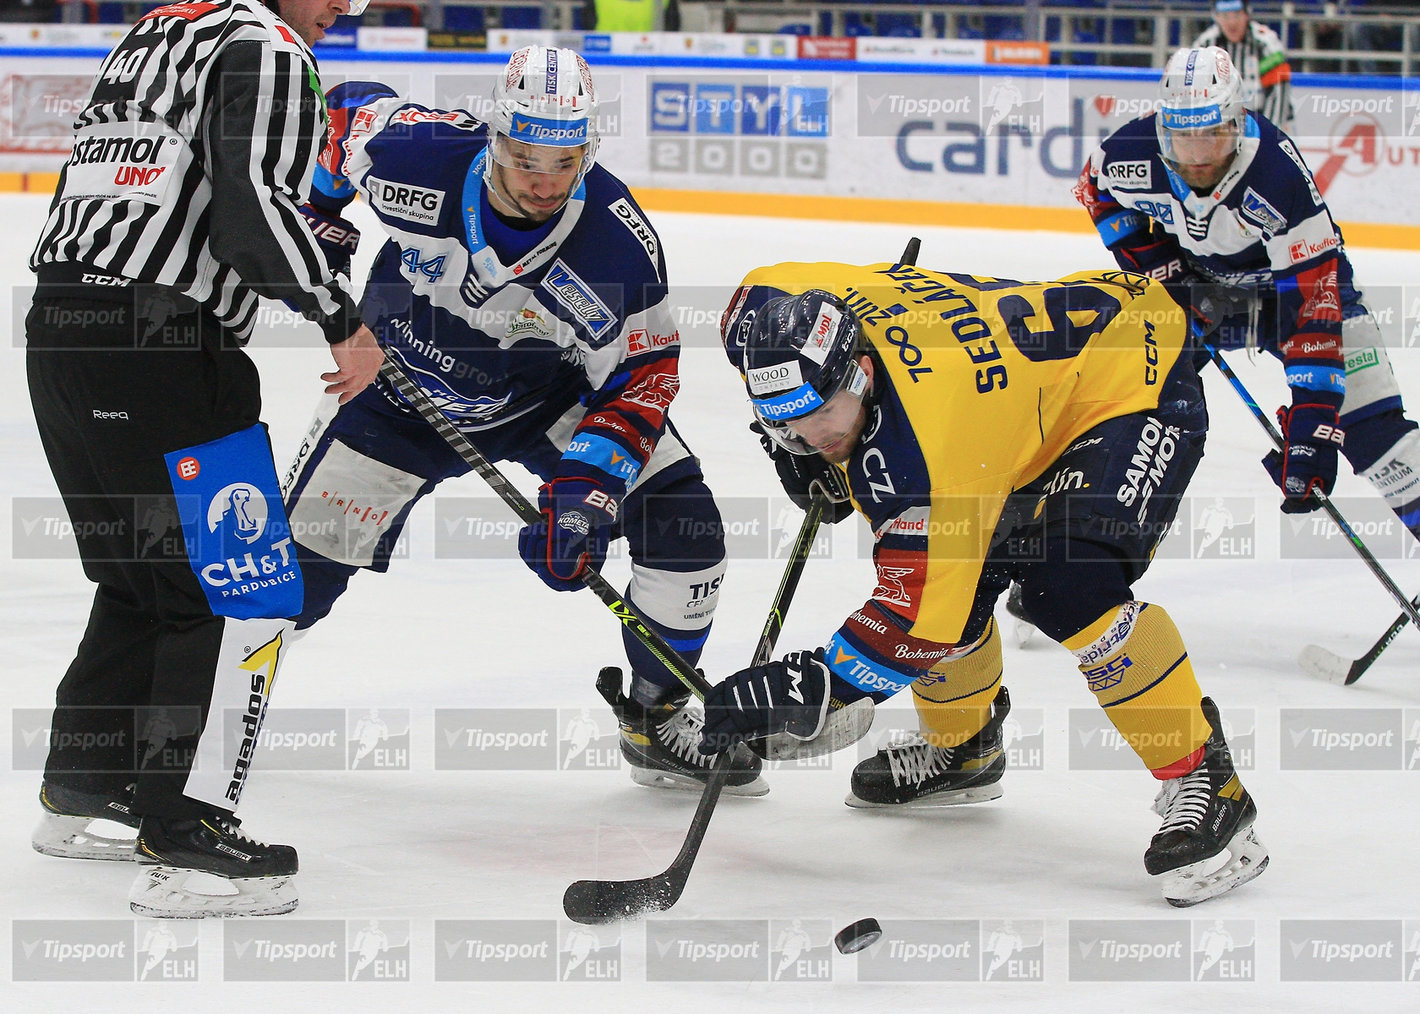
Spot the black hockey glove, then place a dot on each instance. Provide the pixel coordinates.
(790, 696)
(1210, 303)
(336, 237)
(803, 475)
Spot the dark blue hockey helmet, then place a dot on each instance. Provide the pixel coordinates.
(801, 352)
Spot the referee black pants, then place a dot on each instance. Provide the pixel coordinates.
(115, 387)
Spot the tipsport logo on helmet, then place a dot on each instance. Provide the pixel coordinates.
(789, 406)
(1191, 119)
(554, 133)
(239, 544)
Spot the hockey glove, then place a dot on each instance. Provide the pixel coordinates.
(803, 475)
(573, 534)
(1210, 303)
(1160, 258)
(1307, 462)
(790, 696)
(336, 237)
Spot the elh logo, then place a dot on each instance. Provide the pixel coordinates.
(377, 950)
(1224, 950)
(589, 953)
(587, 741)
(1013, 950)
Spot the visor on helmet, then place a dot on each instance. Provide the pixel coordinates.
(803, 420)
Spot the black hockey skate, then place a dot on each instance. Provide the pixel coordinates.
(913, 773)
(209, 867)
(660, 744)
(85, 825)
(1206, 845)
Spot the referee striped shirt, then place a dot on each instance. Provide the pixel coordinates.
(189, 166)
(1266, 75)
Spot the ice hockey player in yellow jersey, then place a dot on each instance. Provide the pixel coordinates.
(991, 430)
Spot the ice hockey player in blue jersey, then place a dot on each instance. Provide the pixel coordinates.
(524, 290)
(1216, 200)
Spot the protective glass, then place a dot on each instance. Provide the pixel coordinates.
(802, 421)
(549, 160)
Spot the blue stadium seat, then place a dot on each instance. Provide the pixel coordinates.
(521, 17)
(463, 18)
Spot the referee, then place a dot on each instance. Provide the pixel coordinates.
(177, 210)
(1258, 54)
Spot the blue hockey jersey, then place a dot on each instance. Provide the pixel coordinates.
(494, 321)
(1263, 225)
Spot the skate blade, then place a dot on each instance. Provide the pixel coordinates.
(658, 779)
(84, 838)
(1243, 860)
(169, 892)
(1024, 630)
(952, 797)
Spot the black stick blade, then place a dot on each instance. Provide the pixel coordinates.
(594, 902)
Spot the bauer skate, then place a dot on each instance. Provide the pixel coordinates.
(913, 773)
(209, 867)
(1206, 845)
(85, 825)
(660, 744)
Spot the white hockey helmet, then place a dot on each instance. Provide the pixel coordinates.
(544, 97)
(1200, 91)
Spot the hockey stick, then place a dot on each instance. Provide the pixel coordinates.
(1309, 659)
(600, 901)
(1330, 666)
(620, 608)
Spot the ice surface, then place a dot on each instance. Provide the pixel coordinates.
(411, 847)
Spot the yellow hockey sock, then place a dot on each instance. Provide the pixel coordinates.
(954, 700)
(1135, 662)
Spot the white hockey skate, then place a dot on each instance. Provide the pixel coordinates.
(1206, 845)
(81, 825)
(200, 868)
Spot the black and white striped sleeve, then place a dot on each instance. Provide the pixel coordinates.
(266, 126)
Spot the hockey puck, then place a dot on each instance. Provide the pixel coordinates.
(855, 936)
